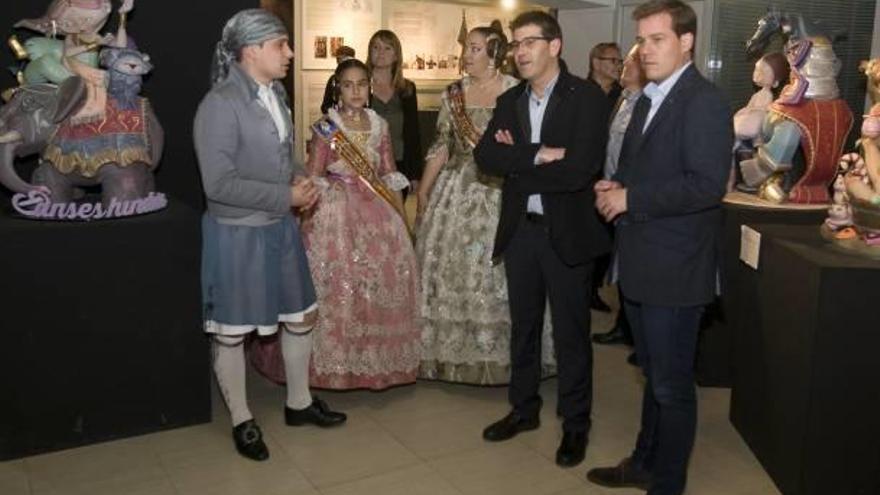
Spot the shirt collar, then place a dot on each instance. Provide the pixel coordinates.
(548, 90)
(246, 82)
(654, 90)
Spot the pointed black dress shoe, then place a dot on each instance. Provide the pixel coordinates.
(507, 427)
(318, 413)
(623, 475)
(249, 441)
(572, 448)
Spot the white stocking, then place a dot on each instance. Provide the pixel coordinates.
(230, 372)
(296, 347)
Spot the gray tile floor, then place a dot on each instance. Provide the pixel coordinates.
(417, 440)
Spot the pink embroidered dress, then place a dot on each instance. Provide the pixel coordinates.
(364, 269)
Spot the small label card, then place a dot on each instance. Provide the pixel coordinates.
(750, 246)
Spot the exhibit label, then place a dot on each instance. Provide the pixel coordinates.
(38, 205)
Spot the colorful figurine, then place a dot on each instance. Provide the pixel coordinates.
(809, 114)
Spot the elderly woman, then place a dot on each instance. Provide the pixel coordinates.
(255, 276)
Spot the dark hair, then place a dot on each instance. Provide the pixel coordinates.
(549, 25)
(597, 52)
(496, 42)
(781, 70)
(684, 19)
(351, 63)
(344, 51)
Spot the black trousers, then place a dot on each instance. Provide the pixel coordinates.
(534, 273)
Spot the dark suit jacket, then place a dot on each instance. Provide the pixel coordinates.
(576, 119)
(675, 174)
(413, 162)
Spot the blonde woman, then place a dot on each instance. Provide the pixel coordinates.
(393, 97)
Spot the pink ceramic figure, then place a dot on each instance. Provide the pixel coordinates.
(770, 74)
(80, 22)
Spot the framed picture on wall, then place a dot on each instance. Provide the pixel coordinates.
(429, 33)
(328, 24)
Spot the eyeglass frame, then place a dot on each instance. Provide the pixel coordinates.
(527, 42)
(616, 60)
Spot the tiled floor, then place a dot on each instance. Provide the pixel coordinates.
(417, 440)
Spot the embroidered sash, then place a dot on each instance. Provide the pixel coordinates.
(461, 121)
(355, 157)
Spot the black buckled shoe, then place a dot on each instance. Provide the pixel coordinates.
(318, 413)
(623, 475)
(572, 449)
(509, 426)
(249, 441)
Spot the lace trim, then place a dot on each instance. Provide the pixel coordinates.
(395, 181)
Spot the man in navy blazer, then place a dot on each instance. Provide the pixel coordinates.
(667, 197)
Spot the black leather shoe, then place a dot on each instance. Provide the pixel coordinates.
(318, 413)
(572, 448)
(599, 305)
(249, 441)
(509, 426)
(613, 336)
(633, 359)
(623, 475)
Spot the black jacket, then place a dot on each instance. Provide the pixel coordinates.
(675, 174)
(576, 119)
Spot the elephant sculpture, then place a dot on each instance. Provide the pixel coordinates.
(37, 120)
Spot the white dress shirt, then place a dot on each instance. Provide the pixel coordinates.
(270, 101)
(537, 108)
(658, 92)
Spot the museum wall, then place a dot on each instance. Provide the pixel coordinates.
(582, 29)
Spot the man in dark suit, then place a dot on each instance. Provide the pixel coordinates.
(667, 194)
(547, 139)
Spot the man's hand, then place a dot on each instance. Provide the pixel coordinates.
(504, 136)
(303, 193)
(611, 202)
(548, 155)
(606, 185)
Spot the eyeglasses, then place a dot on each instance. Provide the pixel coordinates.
(527, 42)
(614, 60)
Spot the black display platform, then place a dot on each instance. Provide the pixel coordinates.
(805, 395)
(101, 330)
(715, 351)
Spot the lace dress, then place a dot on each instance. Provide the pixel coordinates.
(364, 270)
(463, 296)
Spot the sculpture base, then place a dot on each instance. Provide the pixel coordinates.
(102, 331)
(853, 246)
(805, 395)
(744, 199)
